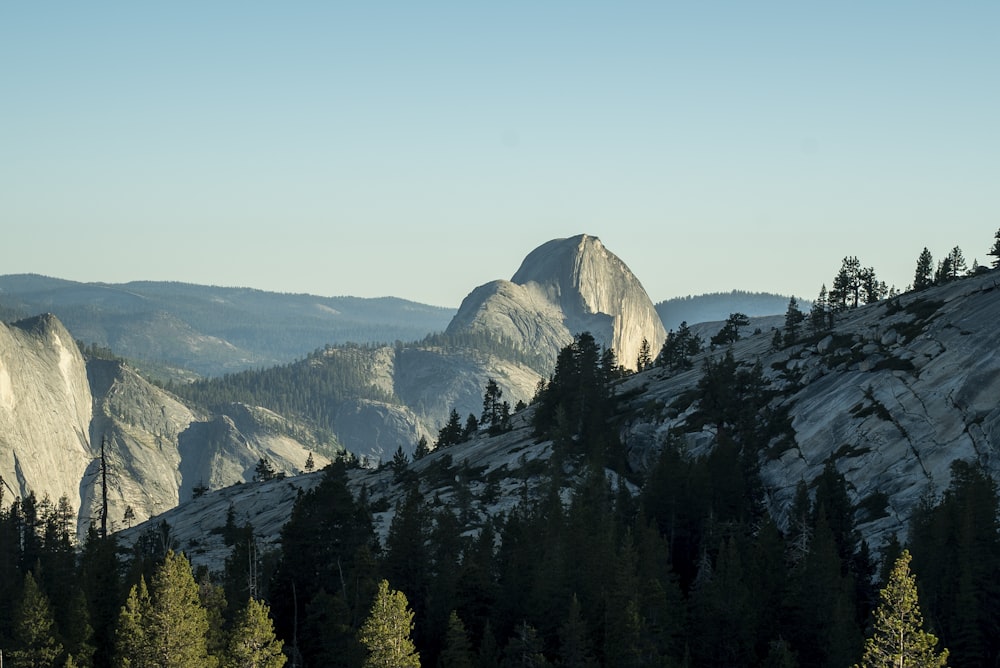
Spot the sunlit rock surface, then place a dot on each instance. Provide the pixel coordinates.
(562, 288)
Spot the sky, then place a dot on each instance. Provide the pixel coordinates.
(420, 149)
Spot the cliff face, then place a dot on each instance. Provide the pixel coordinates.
(56, 410)
(562, 288)
(45, 411)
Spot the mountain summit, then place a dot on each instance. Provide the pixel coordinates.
(565, 287)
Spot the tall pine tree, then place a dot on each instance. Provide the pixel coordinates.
(386, 632)
(898, 639)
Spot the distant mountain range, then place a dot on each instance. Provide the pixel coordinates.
(179, 330)
(173, 328)
(718, 305)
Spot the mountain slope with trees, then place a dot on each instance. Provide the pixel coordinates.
(742, 501)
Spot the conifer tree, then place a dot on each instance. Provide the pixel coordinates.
(956, 263)
(492, 402)
(35, 640)
(819, 315)
(264, 470)
(400, 461)
(573, 647)
(166, 627)
(645, 358)
(898, 639)
(252, 643)
(730, 332)
(995, 250)
(793, 318)
(524, 650)
(679, 347)
(132, 647)
(451, 432)
(457, 650)
(923, 277)
(386, 632)
(177, 622)
(471, 427)
(422, 449)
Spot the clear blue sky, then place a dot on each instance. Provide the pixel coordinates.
(419, 149)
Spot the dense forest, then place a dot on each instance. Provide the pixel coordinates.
(313, 388)
(598, 565)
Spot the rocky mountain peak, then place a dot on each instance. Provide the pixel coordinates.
(562, 288)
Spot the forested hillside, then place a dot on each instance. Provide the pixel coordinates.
(691, 570)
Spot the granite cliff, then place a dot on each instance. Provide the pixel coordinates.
(56, 410)
(562, 288)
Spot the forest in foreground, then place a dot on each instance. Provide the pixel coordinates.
(691, 571)
(597, 566)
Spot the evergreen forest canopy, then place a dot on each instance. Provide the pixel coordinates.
(313, 389)
(600, 565)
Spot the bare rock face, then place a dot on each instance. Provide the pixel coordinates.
(56, 411)
(373, 430)
(435, 381)
(562, 288)
(161, 453)
(45, 411)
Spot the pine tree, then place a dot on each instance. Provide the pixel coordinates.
(818, 314)
(264, 470)
(167, 627)
(573, 647)
(386, 632)
(923, 277)
(644, 359)
(422, 449)
(34, 629)
(524, 649)
(492, 397)
(252, 643)
(457, 650)
(793, 318)
(847, 284)
(400, 461)
(451, 432)
(132, 646)
(310, 463)
(995, 250)
(898, 640)
(679, 347)
(730, 332)
(956, 263)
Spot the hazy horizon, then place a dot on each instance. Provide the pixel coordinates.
(421, 150)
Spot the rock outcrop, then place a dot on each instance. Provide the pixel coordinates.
(565, 287)
(894, 394)
(56, 411)
(45, 411)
